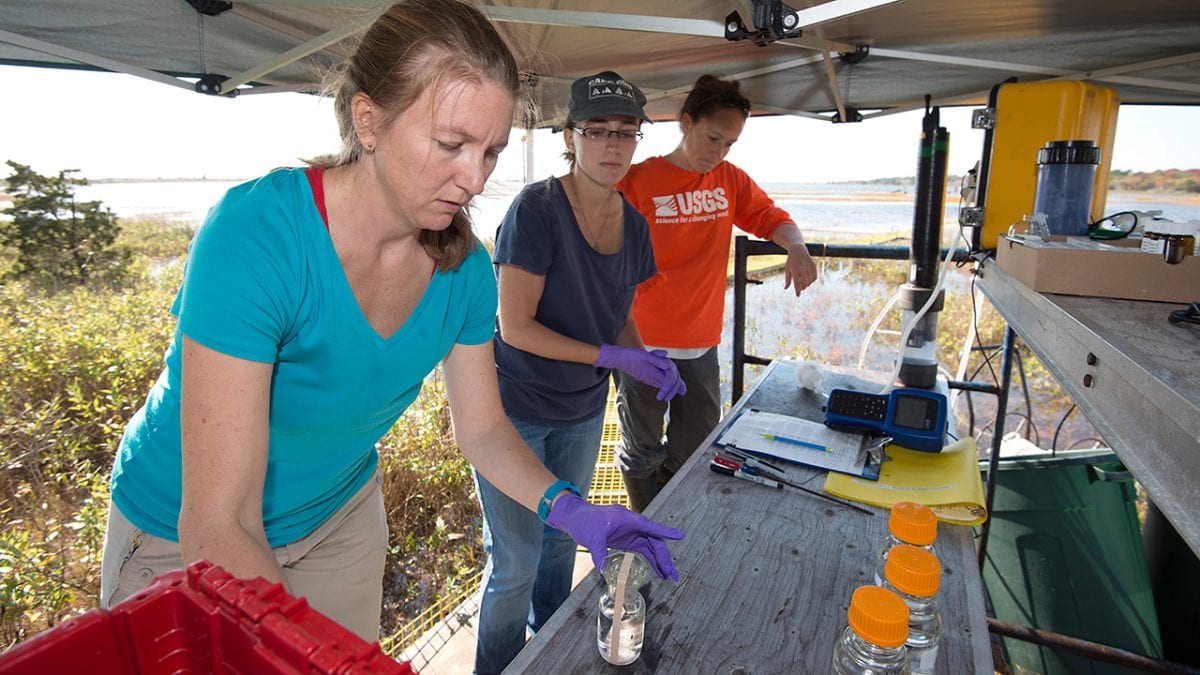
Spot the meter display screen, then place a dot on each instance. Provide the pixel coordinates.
(912, 412)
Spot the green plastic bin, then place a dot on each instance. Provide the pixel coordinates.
(1065, 554)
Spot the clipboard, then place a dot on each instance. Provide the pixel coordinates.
(844, 452)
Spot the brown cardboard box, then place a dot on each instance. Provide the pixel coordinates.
(1114, 269)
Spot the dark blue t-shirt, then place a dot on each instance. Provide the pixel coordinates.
(586, 296)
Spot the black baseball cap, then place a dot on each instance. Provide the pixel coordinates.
(602, 94)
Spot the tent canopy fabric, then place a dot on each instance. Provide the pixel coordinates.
(851, 58)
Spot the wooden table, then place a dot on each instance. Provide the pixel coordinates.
(765, 575)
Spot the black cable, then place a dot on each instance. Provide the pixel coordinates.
(987, 358)
(975, 318)
(991, 425)
(1028, 401)
(1028, 422)
(970, 413)
(1057, 429)
(961, 234)
(970, 401)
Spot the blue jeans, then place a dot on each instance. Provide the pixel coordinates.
(529, 566)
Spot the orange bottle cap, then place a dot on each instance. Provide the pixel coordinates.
(913, 523)
(913, 570)
(879, 616)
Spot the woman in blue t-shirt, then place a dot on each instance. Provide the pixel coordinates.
(314, 303)
(569, 254)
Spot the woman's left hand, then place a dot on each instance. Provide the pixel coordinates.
(599, 528)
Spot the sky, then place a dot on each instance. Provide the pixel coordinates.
(111, 125)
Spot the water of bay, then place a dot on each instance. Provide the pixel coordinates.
(822, 210)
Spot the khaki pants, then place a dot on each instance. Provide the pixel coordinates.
(645, 459)
(338, 568)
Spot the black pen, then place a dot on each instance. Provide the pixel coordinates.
(752, 459)
(728, 467)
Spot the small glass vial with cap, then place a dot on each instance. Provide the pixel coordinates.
(909, 523)
(1179, 242)
(915, 575)
(621, 619)
(873, 642)
(1152, 236)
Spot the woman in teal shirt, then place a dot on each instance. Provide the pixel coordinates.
(314, 303)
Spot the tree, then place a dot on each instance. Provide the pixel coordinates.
(58, 239)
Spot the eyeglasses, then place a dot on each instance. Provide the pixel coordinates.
(598, 134)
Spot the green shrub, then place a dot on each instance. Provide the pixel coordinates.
(58, 240)
(50, 557)
(436, 542)
(77, 364)
(74, 366)
(155, 239)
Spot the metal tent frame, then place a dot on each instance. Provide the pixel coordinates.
(841, 60)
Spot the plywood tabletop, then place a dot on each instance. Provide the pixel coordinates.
(765, 575)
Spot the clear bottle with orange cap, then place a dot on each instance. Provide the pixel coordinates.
(909, 523)
(915, 575)
(873, 642)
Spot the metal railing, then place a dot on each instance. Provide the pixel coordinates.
(744, 248)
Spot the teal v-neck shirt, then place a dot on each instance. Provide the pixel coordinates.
(263, 283)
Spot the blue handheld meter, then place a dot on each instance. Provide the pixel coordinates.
(914, 418)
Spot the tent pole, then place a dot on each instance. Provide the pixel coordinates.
(528, 144)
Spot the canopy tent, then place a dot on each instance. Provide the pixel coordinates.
(836, 60)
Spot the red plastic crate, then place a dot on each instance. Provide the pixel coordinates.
(201, 620)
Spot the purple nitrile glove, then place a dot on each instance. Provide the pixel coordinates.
(654, 368)
(672, 385)
(599, 528)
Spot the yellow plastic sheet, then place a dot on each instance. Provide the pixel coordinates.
(948, 482)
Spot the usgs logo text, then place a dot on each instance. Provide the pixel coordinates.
(691, 203)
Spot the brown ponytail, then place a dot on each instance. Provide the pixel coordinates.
(711, 93)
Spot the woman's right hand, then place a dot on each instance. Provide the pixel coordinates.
(654, 368)
(599, 528)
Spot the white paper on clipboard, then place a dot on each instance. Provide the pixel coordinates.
(845, 450)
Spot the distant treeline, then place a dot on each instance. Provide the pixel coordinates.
(1169, 180)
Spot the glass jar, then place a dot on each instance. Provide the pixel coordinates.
(915, 575)
(908, 523)
(620, 626)
(873, 642)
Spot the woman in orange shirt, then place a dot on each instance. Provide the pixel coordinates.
(692, 199)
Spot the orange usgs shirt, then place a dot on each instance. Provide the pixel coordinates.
(691, 218)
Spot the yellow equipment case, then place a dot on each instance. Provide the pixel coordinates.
(1027, 116)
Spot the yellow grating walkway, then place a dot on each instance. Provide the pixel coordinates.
(421, 639)
(607, 486)
(405, 639)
